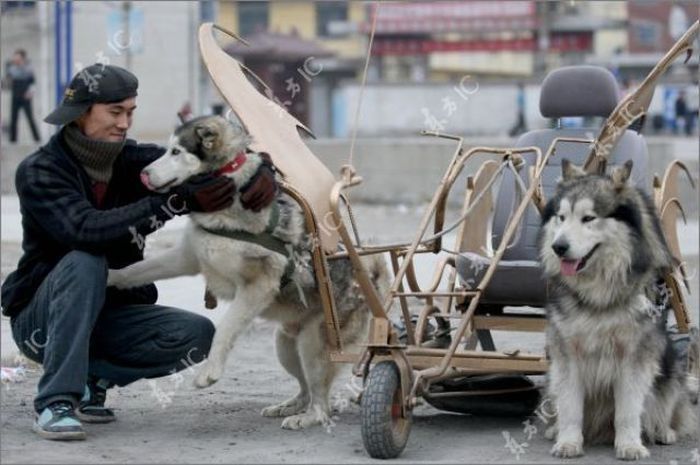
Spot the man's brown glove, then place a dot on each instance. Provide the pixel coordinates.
(205, 193)
(262, 188)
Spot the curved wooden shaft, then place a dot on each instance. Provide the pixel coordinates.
(635, 104)
(323, 280)
(274, 130)
(666, 195)
(379, 327)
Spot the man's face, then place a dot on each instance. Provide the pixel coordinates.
(108, 122)
(17, 59)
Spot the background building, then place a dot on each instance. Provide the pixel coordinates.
(311, 54)
(301, 49)
(155, 40)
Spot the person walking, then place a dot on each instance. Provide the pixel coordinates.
(20, 78)
(520, 125)
(681, 108)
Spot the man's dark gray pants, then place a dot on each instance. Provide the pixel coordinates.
(68, 328)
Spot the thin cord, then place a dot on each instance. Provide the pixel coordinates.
(364, 80)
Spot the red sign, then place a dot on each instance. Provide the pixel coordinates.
(560, 42)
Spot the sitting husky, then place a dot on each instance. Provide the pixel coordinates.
(614, 374)
(274, 283)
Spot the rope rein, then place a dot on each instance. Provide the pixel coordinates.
(364, 81)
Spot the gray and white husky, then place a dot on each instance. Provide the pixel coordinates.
(614, 375)
(256, 279)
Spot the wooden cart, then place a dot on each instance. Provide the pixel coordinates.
(398, 371)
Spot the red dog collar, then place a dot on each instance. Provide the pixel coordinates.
(233, 165)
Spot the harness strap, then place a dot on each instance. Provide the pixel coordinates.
(265, 239)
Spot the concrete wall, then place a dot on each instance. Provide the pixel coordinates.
(408, 170)
(480, 109)
(471, 108)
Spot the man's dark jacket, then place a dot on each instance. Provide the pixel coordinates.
(59, 215)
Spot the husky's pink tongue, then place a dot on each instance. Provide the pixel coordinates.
(568, 267)
(145, 181)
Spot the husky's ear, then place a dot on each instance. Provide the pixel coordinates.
(570, 171)
(243, 138)
(621, 174)
(207, 134)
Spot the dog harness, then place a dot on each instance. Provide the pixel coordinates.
(264, 239)
(270, 242)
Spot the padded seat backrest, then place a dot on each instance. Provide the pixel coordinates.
(571, 91)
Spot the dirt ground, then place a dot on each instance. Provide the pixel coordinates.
(223, 424)
(169, 421)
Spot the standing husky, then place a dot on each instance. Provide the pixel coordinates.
(613, 374)
(260, 261)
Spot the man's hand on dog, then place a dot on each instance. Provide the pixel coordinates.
(206, 193)
(262, 188)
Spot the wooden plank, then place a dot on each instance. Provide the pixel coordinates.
(533, 365)
(510, 323)
(473, 354)
(436, 294)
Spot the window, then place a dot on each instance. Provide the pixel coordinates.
(252, 17)
(326, 12)
(16, 6)
(648, 33)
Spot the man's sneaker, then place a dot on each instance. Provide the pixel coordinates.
(91, 408)
(58, 422)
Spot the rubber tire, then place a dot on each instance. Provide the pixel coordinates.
(382, 436)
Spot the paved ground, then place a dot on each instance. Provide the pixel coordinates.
(169, 421)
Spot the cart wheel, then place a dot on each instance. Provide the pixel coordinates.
(384, 431)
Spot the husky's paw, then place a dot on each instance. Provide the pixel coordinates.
(631, 451)
(209, 374)
(567, 449)
(287, 408)
(304, 420)
(551, 433)
(667, 437)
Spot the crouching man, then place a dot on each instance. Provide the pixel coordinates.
(84, 210)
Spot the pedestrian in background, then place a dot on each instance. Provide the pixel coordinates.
(692, 95)
(681, 113)
(520, 125)
(20, 78)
